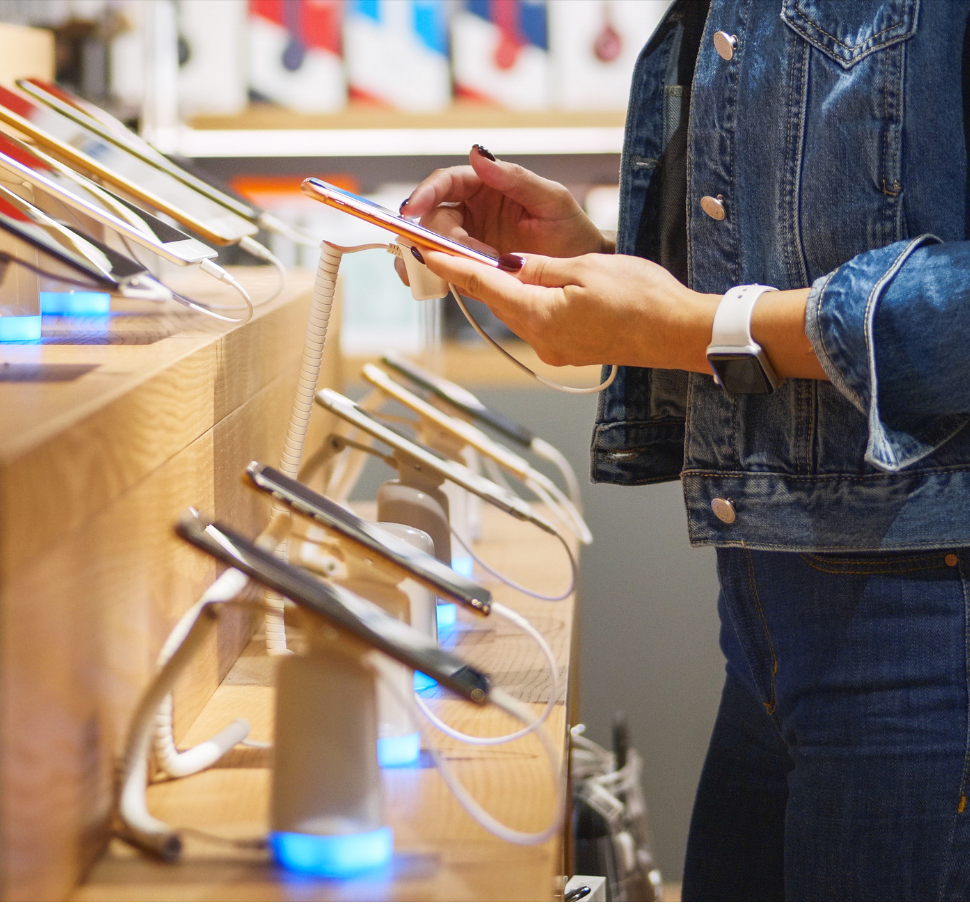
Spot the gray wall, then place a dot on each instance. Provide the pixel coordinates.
(648, 617)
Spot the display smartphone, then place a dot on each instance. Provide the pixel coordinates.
(102, 156)
(103, 123)
(338, 606)
(371, 540)
(420, 457)
(72, 257)
(47, 184)
(459, 399)
(456, 428)
(383, 217)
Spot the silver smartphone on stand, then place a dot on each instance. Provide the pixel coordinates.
(71, 257)
(420, 456)
(61, 192)
(338, 606)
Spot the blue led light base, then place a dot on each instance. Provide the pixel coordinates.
(20, 328)
(463, 565)
(75, 303)
(333, 856)
(399, 750)
(446, 615)
(422, 682)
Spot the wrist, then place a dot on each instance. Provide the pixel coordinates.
(694, 324)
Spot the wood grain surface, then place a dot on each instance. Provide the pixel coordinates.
(93, 473)
(440, 853)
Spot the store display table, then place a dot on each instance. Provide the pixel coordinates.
(440, 853)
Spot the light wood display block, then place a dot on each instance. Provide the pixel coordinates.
(93, 473)
(440, 853)
(25, 52)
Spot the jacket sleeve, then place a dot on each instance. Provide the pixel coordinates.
(891, 329)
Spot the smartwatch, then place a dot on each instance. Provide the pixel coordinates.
(739, 364)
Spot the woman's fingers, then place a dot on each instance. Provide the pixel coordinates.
(457, 183)
(537, 195)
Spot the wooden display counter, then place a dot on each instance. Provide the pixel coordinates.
(107, 433)
(105, 438)
(440, 853)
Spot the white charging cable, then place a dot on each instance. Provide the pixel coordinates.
(175, 763)
(547, 451)
(257, 249)
(139, 825)
(268, 222)
(220, 274)
(522, 623)
(514, 584)
(562, 388)
(489, 822)
(554, 499)
(549, 493)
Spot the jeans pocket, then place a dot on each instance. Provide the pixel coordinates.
(743, 613)
(877, 563)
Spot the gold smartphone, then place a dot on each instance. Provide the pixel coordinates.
(106, 160)
(374, 213)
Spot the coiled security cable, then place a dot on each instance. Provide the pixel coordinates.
(321, 306)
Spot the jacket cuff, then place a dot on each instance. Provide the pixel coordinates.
(841, 321)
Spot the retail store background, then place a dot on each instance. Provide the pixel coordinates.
(647, 601)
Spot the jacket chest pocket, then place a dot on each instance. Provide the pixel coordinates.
(850, 32)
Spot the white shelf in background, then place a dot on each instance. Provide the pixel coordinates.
(362, 142)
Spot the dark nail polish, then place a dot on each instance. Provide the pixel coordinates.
(482, 152)
(417, 255)
(404, 204)
(510, 262)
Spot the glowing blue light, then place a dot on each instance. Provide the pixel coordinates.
(399, 750)
(463, 565)
(75, 303)
(19, 328)
(446, 615)
(423, 682)
(335, 856)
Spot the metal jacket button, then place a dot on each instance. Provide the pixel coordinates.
(725, 43)
(713, 207)
(723, 509)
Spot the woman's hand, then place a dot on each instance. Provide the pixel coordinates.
(612, 309)
(500, 207)
(592, 309)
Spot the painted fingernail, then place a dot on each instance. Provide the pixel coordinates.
(404, 204)
(417, 255)
(510, 262)
(482, 152)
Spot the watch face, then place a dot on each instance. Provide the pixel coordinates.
(741, 374)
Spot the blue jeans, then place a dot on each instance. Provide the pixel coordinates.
(838, 766)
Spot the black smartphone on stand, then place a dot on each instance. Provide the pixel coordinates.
(370, 539)
(339, 607)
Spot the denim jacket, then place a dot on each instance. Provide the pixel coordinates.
(835, 137)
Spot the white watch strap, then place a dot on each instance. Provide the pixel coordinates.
(732, 319)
